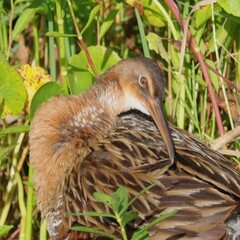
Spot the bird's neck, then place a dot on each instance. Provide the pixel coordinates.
(65, 130)
(95, 112)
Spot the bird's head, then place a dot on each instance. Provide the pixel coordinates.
(142, 84)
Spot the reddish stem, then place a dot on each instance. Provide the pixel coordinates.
(84, 47)
(197, 53)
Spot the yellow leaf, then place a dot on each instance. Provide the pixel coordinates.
(34, 77)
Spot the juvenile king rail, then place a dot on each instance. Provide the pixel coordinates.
(83, 144)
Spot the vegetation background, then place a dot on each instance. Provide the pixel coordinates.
(196, 43)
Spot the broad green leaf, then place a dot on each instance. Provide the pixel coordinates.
(15, 129)
(102, 197)
(201, 18)
(26, 16)
(5, 229)
(224, 32)
(58, 34)
(110, 19)
(148, 7)
(123, 198)
(155, 43)
(231, 6)
(12, 90)
(116, 203)
(23, 21)
(128, 217)
(79, 80)
(92, 230)
(119, 201)
(45, 92)
(81, 76)
(155, 18)
(91, 17)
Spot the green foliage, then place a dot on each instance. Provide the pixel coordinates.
(77, 40)
(81, 76)
(12, 91)
(231, 6)
(119, 204)
(5, 229)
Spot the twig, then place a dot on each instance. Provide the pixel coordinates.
(226, 138)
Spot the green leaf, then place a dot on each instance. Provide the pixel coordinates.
(45, 92)
(26, 16)
(123, 199)
(15, 129)
(142, 34)
(159, 219)
(200, 80)
(201, 18)
(5, 229)
(128, 217)
(93, 214)
(91, 17)
(231, 6)
(12, 91)
(224, 32)
(213, 76)
(115, 204)
(92, 230)
(58, 34)
(2, 102)
(141, 234)
(155, 43)
(80, 73)
(155, 18)
(79, 80)
(119, 201)
(28, 184)
(102, 197)
(139, 194)
(110, 19)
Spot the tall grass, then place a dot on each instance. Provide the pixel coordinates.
(196, 43)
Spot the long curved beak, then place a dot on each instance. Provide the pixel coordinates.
(155, 108)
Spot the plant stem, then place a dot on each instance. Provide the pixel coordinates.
(82, 43)
(11, 186)
(51, 46)
(10, 29)
(61, 45)
(21, 206)
(43, 230)
(196, 51)
(36, 43)
(30, 198)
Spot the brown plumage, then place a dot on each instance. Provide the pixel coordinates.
(80, 145)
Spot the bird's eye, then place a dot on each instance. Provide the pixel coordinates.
(142, 81)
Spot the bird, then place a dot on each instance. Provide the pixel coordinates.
(116, 134)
